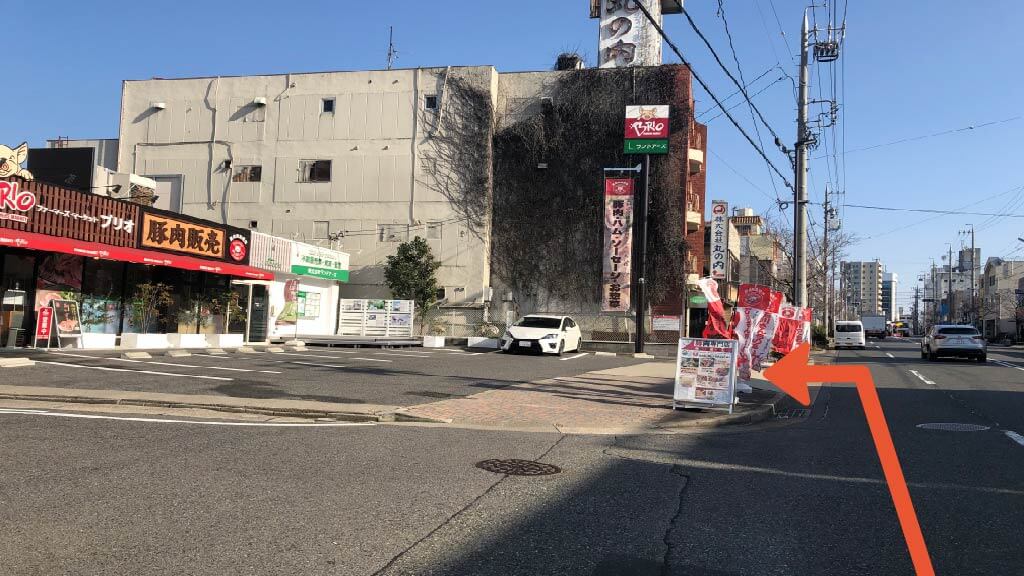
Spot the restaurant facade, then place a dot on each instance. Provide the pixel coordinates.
(134, 270)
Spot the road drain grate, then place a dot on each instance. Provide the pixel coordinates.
(518, 467)
(953, 427)
(793, 413)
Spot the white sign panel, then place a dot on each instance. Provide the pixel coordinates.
(719, 240)
(705, 373)
(627, 36)
(270, 252)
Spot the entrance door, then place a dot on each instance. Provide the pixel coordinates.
(258, 316)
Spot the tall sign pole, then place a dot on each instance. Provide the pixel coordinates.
(803, 138)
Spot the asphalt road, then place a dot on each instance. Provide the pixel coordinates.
(366, 375)
(804, 495)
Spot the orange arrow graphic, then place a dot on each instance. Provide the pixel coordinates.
(792, 374)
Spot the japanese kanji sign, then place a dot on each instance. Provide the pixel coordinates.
(618, 244)
(318, 262)
(40, 208)
(164, 233)
(719, 240)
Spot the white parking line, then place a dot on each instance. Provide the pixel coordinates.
(166, 363)
(130, 370)
(1014, 436)
(318, 356)
(1007, 364)
(312, 364)
(574, 357)
(889, 354)
(923, 379)
(172, 421)
(369, 359)
(406, 355)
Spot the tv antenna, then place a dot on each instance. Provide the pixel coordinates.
(392, 53)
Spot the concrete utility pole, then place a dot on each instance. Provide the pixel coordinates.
(917, 297)
(827, 264)
(803, 139)
(973, 307)
(949, 288)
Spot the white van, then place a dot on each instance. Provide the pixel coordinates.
(849, 333)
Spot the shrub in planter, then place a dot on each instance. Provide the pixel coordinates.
(488, 331)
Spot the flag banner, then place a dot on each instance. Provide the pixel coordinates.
(793, 329)
(715, 326)
(753, 324)
(618, 244)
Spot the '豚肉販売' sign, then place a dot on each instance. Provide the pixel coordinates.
(618, 244)
(719, 240)
(308, 260)
(179, 234)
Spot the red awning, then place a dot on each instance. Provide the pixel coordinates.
(33, 241)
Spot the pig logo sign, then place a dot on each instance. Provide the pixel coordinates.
(11, 159)
(647, 121)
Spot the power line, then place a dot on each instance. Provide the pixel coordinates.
(693, 73)
(729, 97)
(754, 95)
(729, 74)
(931, 211)
(932, 135)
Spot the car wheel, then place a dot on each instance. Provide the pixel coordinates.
(561, 348)
(932, 356)
(923, 355)
(982, 359)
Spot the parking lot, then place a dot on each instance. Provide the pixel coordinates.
(402, 377)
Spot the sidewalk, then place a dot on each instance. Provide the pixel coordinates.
(627, 400)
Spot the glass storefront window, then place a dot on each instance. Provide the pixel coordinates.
(101, 296)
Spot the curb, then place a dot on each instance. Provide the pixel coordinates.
(758, 414)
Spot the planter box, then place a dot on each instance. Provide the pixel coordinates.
(481, 342)
(188, 340)
(433, 341)
(225, 340)
(133, 340)
(96, 341)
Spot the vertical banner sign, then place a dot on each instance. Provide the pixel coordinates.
(618, 244)
(754, 321)
(44, 324)
(719, 240)
(705, 373)
(627, 37)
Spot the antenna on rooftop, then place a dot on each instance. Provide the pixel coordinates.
(392, 53)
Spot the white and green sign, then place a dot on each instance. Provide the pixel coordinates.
(319, 262)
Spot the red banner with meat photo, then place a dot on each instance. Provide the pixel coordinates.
(754, 321)
(794, 325)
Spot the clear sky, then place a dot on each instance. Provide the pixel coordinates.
(911, 69)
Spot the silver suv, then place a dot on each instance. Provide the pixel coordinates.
(954, 340)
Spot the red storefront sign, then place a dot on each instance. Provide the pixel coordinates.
(647, 121)
(44, 324)
(31, 241)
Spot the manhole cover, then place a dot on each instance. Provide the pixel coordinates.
(953, 427)
(518, 467)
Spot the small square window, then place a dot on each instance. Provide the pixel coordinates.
(394, 232)
(328, 106)
(314, 170)
(253, 224)
(434, 231)
(321, 230)
(430, 102)
(247, 174)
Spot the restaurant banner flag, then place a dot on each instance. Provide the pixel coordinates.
(793, 328)
(753, 324)
(618, 244)
(716, 326)
(705, 373)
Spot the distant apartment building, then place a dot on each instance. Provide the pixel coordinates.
(1001, 298)
(890, 307)
(760, 253)
(861, 287)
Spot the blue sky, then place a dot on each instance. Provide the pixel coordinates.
(911, 69)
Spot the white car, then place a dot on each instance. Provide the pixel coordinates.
(548, 334)
(849, 334)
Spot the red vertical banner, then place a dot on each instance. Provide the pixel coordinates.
(754, 321)
(618, 244)
(44, 325)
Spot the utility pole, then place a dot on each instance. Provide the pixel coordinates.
(803, 139)
(827, 264)
(641, 266)
(949, 288)
(917, 296)
(973, 307)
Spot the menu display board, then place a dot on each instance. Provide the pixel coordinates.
(69, 323)
(705, 373)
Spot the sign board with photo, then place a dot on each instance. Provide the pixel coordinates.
(705, 374)
(67, 319)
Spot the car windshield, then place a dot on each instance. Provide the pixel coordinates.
(539, 322)
(849, 328)
(966, 330)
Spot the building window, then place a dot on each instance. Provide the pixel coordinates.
(434, 231)
(314, 170)
(328, 106)
(247, 174)
(430, 102)
(439, 295)
(394, 232)
(321, 230)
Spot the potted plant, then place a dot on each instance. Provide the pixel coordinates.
(148, 307)
(225, 305)
(190, 317)
(435, 335)
(487, 335)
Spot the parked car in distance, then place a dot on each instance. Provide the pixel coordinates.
(849, 334)
(548, 334)
(957, 340)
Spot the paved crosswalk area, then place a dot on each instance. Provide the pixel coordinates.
(401, 376)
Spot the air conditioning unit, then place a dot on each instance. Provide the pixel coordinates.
(259, 101)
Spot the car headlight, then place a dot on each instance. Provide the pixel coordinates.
(549, 337)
